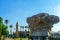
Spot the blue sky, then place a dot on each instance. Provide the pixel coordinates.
(19, 10)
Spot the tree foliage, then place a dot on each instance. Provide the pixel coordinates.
(3, 28)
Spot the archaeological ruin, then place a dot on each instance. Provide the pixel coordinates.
(40, 25)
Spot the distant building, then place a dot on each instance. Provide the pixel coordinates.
(54, 36)
(17, 34)
(22, 34)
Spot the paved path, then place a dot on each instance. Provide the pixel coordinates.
(8, 39)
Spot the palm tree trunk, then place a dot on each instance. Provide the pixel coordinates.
(10, 32)
(0, 37)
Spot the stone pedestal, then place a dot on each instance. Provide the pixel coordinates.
(39, 38)
(38, 35)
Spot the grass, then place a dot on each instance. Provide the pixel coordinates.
(22, 38)
(16, 38)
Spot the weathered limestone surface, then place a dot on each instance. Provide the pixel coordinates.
(42, 22)
(40, 25)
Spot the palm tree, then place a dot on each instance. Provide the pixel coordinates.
(6, 22)
(26, 27)
(11, 30)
